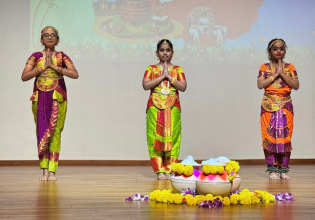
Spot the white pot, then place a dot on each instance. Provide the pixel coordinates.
(180, 183)
(236, 184)
(217, 185)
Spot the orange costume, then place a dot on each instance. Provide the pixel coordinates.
(277, 118)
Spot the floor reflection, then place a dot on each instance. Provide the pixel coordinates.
(48, 200)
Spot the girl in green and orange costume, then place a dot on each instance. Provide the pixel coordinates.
(49, 100)
(163, 110)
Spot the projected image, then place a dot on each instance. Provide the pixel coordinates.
(202, 31)
(132, 21)
(198, 23)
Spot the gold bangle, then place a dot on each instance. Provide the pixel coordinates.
(271, 78)
(43, 68)
(174, 79)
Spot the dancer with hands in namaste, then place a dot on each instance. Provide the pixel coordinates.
(277, 79)
(163, 124)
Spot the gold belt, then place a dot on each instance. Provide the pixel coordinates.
(276, 98)
(172, 92)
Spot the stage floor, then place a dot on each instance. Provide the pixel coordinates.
(99, 192)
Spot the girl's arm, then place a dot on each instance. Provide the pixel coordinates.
(263, 83)
(29, 73)
(150, 84)
(180, 85)
(293, 83)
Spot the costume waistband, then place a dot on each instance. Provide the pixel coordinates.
(277, 98)
(160, 93)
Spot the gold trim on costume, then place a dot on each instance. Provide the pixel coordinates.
(276, 98)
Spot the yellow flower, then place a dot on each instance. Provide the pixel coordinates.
(209, 197)
(180, 168)
(270, 197)
(261, 195)
(159, 198)
(169, 198)
(267, 198)
(214, 169)
(232, 166)
(188, 171)
(166, 191)
(231, 178)
(234, 199)
(178, 198)
(245, 200)
(266, 201)
(226, 201)
(229, 168)
(206, 169)
(220, 170)
(165, 200)
(174, 167)
(237, 168)
(190, 200)
(254, 200)
(154, 194)
(235, 165)
(246, 192)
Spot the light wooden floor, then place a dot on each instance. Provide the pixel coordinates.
(98, 192)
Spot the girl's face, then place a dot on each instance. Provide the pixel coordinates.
(165, 53)
(277, 51)
(49, 38)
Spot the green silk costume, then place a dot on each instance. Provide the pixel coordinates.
(163, 122)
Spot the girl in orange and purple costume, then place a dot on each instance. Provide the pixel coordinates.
(277, 79)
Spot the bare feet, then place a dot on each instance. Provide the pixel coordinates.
(52, 176)
(168, 176)
(273, 176)
(284, 176)
(161, 176)
(45, 175)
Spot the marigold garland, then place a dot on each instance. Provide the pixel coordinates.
(231, 169)
(180, 169)
(244, 197)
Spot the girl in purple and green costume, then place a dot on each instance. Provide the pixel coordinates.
(49, 99)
